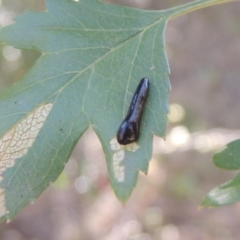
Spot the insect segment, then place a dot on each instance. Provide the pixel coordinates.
(129, 130)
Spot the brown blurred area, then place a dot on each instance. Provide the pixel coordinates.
(204, 54)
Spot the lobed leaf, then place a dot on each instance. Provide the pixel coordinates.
(93, 56)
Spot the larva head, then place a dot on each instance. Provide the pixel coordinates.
(128, 133)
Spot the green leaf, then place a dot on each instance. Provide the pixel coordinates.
(93, 56)
(227, 193)
(229, 158)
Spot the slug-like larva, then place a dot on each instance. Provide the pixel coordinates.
(129, 130)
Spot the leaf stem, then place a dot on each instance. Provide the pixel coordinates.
(192, 6)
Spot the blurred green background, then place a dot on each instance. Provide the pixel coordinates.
(204, 54)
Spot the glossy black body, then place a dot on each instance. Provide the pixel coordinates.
(129, 130)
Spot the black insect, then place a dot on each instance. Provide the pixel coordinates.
(129, 130)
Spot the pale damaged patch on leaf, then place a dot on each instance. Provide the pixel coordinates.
(17, 141)
(118, 157)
